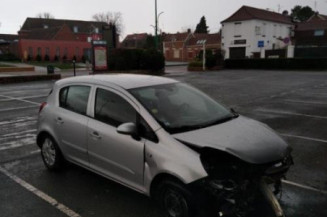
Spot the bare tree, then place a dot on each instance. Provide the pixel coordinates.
(45, 15)
(114, 18)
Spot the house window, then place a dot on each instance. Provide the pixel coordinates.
(39, 51)
(45, 26)
(47, 51)
(30, 51)
(76, 29)
(238, 29)
(77, 52)
(66, 52)
(264, 29)
(275, 31)
(96, 30)
(176, 53)
(257, 30)
(319, 33)
(58, 51)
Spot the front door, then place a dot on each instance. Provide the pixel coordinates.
(118, 156)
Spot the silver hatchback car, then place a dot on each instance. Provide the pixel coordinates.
(165, 139)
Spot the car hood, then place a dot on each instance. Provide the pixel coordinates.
(247, 139)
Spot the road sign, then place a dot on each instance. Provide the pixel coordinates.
(261, 43)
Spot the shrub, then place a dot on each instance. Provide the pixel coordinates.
(136, 59)
(56, 58)
(64, 58)
(195, 64)
(46, 57)
(8, 57)
(291, 63)
(38, 58)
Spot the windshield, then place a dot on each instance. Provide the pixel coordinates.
(180, 108)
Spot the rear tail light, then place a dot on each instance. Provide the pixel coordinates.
(42, 106)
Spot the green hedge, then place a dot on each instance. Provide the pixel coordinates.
(293, 63)
(8, 57)
(135, 59)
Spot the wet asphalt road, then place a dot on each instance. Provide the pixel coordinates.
(292, 103)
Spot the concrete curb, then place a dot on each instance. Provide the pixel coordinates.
(17, 69)
(27, 78)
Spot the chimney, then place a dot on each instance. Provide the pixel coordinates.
(189, 31)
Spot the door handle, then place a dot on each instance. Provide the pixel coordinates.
(95, 135)
(59, 120)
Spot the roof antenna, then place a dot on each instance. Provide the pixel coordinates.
(316, 6)
(279, 7)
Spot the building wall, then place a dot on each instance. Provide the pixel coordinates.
(174, 51)
(248, 33)
(68, 48)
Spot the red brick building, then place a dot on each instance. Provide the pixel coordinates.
(185, 47)
(57, 39)
(196, 41)
(174, 46)
(311, 37)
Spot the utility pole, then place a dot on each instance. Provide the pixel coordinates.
(156, 26)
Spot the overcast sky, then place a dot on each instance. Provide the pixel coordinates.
(138, 15)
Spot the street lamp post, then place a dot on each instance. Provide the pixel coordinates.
(156, 26)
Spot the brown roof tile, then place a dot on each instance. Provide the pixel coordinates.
(209, 38)
(312, 25)
(83, 26)
(175, 37)
(250, 13)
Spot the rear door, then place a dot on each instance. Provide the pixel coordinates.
(118, 156)
(71, 122)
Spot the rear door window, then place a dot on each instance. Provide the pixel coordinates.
(75, 98)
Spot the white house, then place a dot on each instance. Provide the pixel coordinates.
(249, 32)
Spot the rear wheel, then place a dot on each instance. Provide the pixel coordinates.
(51, 154)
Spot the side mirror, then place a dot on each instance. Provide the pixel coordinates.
(127, 129)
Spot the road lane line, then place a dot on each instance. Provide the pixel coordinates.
(305, 102)
(61, 207)
(304, 186)
(22, 100)
(18, 108)
(304, 137)
(290, 113)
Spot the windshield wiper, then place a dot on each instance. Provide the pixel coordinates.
(187, 128)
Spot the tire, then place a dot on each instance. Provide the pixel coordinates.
(175, 199)
(51, 154)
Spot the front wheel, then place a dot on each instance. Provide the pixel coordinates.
(175, 199)
(51, 154)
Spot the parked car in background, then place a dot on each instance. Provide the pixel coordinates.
(165, 139)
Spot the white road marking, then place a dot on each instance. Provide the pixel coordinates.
(304, 186)
(22, 100)
(17, 134)
(18, 120)
(18, 108)
(64, 209)
(290, 113)
(305, 102)
(305, 138)
(35, 152)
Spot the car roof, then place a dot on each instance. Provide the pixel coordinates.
(125, 81)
